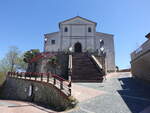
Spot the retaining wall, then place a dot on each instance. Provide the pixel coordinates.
(38, 92)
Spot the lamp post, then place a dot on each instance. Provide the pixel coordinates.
(102, 54)
(70, 68)
(70, 50)
(45, 40)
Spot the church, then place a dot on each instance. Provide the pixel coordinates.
(80, 34)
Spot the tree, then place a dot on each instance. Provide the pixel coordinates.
(9, 62)
(21, 65)
(4, 66)
(12, 57)
(14, 60)
(30, 54)
(27, 58)
(53, 61)
(117, 68)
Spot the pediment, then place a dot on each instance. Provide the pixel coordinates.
(77, 20)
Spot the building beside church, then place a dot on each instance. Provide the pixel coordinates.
(80, 34)
(140, 60)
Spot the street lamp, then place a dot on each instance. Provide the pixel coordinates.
(45, 40)
(102, 54)
(70, 49)
(101, 47)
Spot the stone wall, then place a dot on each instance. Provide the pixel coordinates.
(140, 61)
(140, 67)
(37, 92)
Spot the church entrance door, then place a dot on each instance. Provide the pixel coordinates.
(78, 47)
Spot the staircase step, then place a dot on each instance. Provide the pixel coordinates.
(84, 69)
(87, 74)
(83, 66)
(86, 78)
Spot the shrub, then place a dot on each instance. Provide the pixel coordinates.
(2, 77)
(73, 102)
(53, 61)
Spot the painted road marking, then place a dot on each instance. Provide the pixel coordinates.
(7, 104)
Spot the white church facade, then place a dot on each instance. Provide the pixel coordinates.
(80, 34)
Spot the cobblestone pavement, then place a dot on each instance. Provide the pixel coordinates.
(123, 94)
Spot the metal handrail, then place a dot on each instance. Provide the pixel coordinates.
(96, 61)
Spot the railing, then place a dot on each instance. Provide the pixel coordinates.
(50, 78)
(96, 61)
(99, 66)
(141, 50)
(70, 69)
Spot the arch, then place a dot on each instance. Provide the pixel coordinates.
(78, 47)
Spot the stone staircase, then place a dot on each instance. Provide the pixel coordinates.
(84, 69)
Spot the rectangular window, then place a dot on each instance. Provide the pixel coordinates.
(89, 30)
(52, 41)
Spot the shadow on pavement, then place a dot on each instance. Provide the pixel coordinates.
(135, 93)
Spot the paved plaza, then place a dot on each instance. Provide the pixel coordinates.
(120, 93)
(12, 106)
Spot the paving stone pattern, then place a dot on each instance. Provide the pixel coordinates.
(124, 94)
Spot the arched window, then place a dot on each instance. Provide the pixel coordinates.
(66, 29)
(89, 29)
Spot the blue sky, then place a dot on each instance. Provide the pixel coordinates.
(23, 22)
